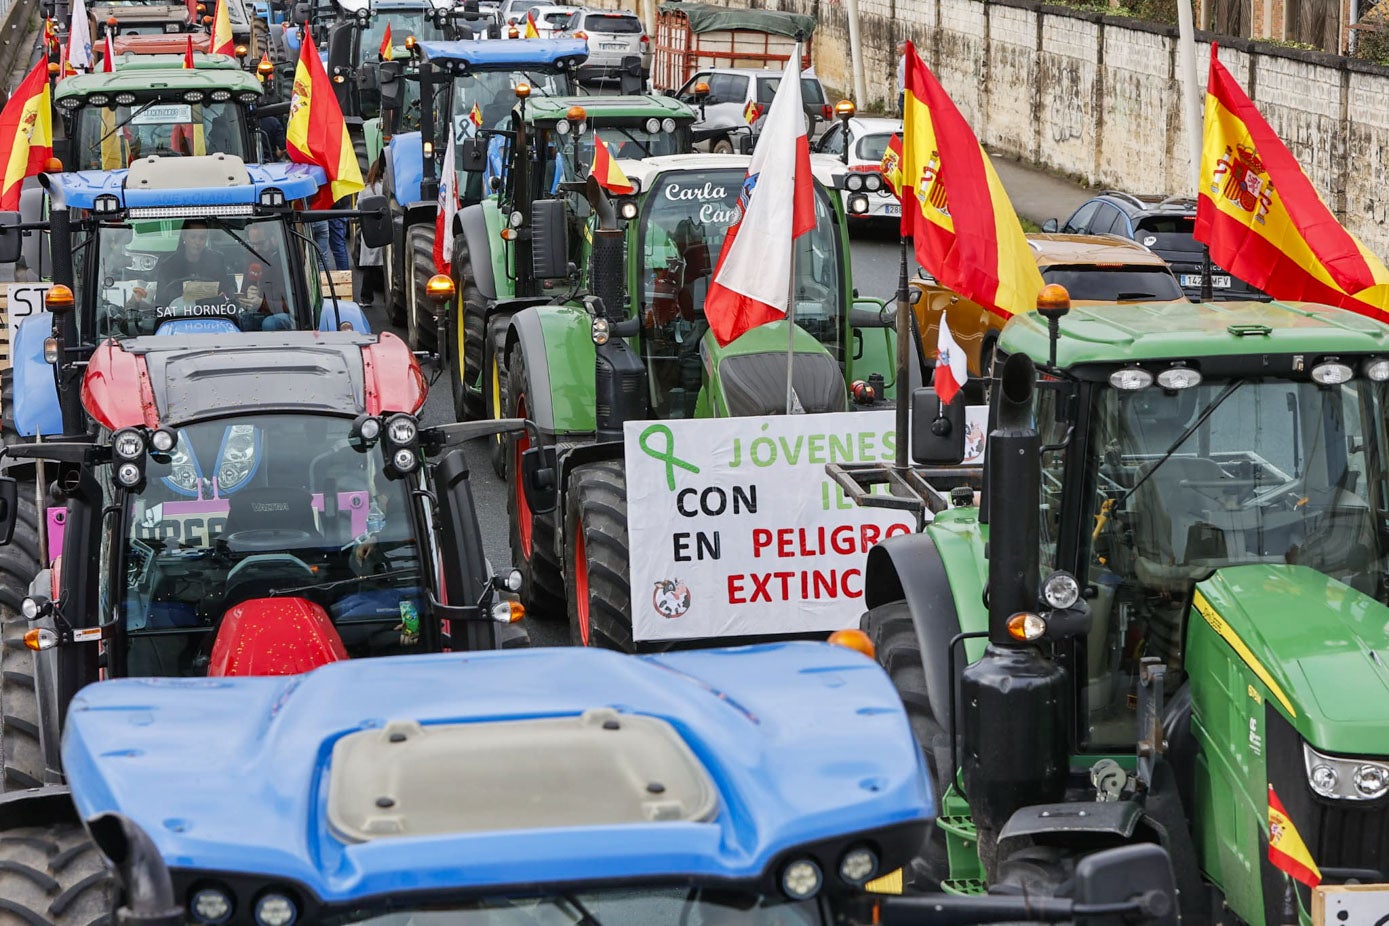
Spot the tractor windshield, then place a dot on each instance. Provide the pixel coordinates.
(683, 223)
(633, 140)
(199, 275)
(649, 907)
(404, 23)
(1221, 474)
(110, 137)
(262, 507)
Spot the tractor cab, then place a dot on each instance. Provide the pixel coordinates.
(356, 38)
(170, 247)
(153, 106)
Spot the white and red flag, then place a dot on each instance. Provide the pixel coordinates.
(448, 207)
(952, 369)
(79, 38)
(752, 280)
(108, 57)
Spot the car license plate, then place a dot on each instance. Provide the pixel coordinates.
(613, 46)
(1218, 280)
(892, 208)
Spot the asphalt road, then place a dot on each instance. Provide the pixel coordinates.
(875, 270)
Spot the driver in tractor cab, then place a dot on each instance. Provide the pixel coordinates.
(262, 291)
(193, 263)
(677, 269)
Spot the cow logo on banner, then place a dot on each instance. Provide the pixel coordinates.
(671, 598)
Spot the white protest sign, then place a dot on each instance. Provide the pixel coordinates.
(23, 300)
(734, 528)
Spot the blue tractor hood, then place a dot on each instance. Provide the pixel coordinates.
(80, 189)
(806, 745)
(493, 54)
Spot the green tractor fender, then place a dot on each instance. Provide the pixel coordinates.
(555, 343)
(735, 386)
(479, 226)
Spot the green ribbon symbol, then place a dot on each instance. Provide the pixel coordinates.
(666, 454)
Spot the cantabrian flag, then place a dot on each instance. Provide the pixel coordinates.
(965, 231)
(317, 132)
(27, 121)
(891, 166)
(605, 170)
(1263, 220)
(531, 31)
(387, 51)
(1286, 850)
(223, 42)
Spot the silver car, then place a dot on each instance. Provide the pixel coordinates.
(612, 36)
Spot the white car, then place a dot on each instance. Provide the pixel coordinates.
(866, 140)
(550, 21)
(612, 35)
(727, 111)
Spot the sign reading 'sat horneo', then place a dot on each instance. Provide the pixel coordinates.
(734, 528)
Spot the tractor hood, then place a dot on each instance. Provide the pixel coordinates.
(1320, 647)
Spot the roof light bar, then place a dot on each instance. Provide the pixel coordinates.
(189, 212)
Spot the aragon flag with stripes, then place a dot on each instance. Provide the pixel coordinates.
(962, 223)
(1263, 220)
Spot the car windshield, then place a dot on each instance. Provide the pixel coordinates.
(1221, 474)
(873, 147)
(684, 906)
(811, 91)
(403, 23)
(262, 506)
(109, 138)
(1129, 283)
(686, 216)
(612, 23)
(162, 276)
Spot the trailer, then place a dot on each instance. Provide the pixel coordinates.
(690, 36)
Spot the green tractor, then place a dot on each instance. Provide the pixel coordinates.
(637, 346)
(1167, 621)
(547, 144)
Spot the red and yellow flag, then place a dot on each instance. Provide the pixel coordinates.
(1263, 220)
(317, 132)
(387, 52)
(475, 116)
(1286, 850)
(188, 55)
(223, 42)
(605, 170)
(751, 112)
(891, 167)
(27, 120)
(965, 231)
(531, 31)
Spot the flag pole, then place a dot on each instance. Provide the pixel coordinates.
(904, 348)
(791, 288)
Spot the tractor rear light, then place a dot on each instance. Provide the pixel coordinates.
(40, 638)
(854, 639)
(508, 612)
(51, 351)
(801, 879)
(858, 865)
(1331, 373)
(1026, 626)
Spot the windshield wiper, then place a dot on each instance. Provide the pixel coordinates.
(326, 586)
(646, 151)
(116, 128)
(222, 224)
(1191, 429)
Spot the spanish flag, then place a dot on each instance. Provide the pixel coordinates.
(27, 120)
(891, 167)
(605, 170)
(223, 42)
(1263, 220)
(751, 112)
(317, 132)
(188, 55)
(531, 31)
(1286, 850)
(475, 116)
(387, 52)
(953, 205)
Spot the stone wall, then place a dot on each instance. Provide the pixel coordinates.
(1096, 97)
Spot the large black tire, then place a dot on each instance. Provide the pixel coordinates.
(596, 569)
(465, 363)
(532, 536)
(21, 758)
(54, 875)
(359, 148)
(722, 146)
(8, 434)
(494, 387)
(420, 330)
(890, 628)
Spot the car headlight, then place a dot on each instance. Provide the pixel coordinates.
(1346, 778)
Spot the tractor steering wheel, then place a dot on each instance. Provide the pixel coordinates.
(268, 539)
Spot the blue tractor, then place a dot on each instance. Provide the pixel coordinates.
(765, 785)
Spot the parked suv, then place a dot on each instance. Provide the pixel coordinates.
(866, 138)
(1164, 224)
(1095, 269)
(723, 114)
(612, 36)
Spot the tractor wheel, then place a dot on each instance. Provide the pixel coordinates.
(21, 757)
(722, 146)
(494, 387)
(395, 305)
(890, 628)
(54, 875)
(359, 148)
(260, 40)
(466, 361)
(596, 571)
(532, 535)
(8, 434)
(420, 331)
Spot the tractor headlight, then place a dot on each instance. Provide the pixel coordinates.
(601, 331)
(193, 96)
(653, 125)
(1331, 373)
(1377, 371)
(1131, 379)
(128, 444)
(1179, 378)
(211, 905)
(1346, 779)
(562, 127)
(404, 460)
(124, 99)
(402, 430)
(221, 96)
(858, 865)
(853, 182)
(800, 879)
(365, 430)
(272, 197)
(106, 204)
(1060, 590)
(276, 910)
(628, 210)
(668, 125)
(129, 475)
(239, 457)
(858, 204)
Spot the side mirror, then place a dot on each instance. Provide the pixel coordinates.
(871, 314)
(549, 240)
(9, 508)
(938, 431)
(472, 155)
(538, 468)
(303, 12)
(367, 76)
(389, 84)
(1140, 872)
(10, 237)
(1051, 225)
(376, 220)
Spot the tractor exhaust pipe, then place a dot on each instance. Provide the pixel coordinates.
(1015, 736)
(620, 376)
(149, 889)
